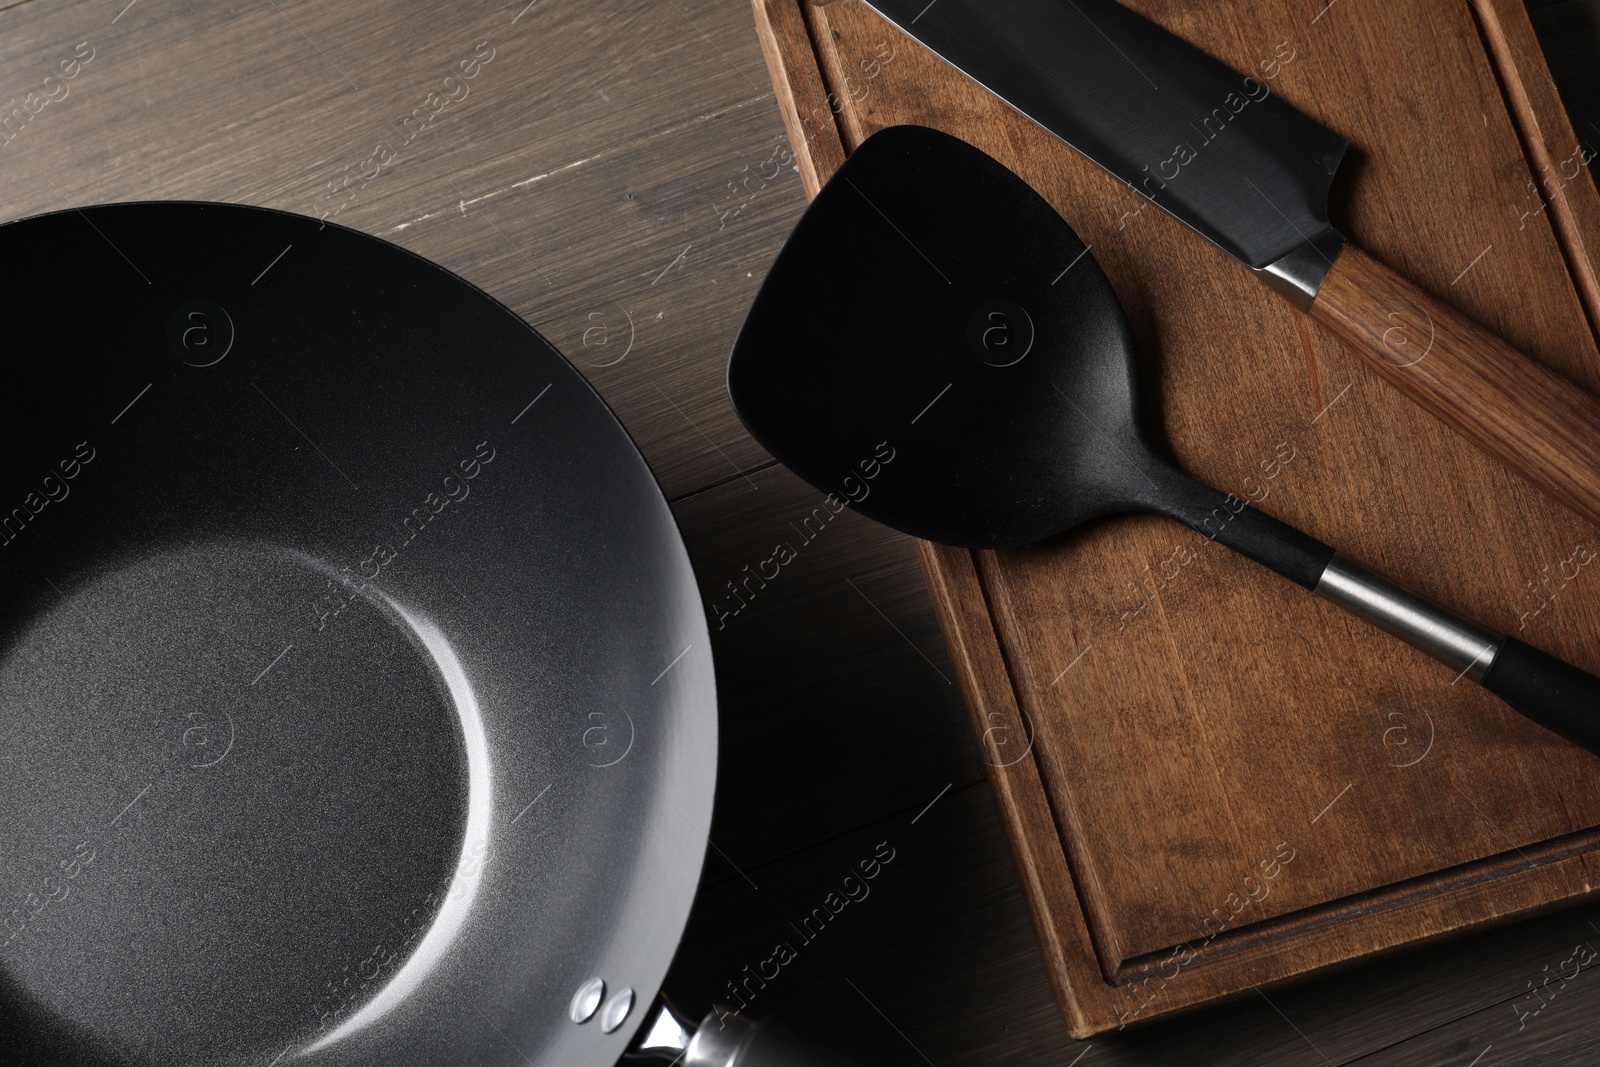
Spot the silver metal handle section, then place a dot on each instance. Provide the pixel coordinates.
(665, 1035)
(713, 1047)
(1459, 643)
(724, 1039)
(1298, 275)
(668, 1036)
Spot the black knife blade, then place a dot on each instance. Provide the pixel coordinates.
(1222, 153)
(1215, 148)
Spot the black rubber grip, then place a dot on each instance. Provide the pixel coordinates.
(1231, 521)
(1275, 545)
(1553, 693)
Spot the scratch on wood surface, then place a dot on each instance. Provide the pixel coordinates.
(548, 173)
(522, 183)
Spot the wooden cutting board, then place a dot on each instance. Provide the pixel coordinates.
(1212, 781)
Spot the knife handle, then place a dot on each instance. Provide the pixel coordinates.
(1520, 412)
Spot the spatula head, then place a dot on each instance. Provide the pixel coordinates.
(935, 346)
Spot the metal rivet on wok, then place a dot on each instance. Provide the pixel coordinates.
(587, 999)
(617, 1009)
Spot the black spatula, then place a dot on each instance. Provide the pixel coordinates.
(933, 309)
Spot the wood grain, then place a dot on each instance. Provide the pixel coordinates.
(1533, 421)
(808, 108)
(589, 156)
(628, 122)
(1561, 156)
(1194, 719)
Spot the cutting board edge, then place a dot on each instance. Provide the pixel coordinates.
(1548, 140)
(1098, 994)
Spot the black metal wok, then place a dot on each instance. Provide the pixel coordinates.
(356, 699)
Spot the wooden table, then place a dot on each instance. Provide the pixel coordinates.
(618, 174)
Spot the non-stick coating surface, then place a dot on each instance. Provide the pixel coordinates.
(356, 701)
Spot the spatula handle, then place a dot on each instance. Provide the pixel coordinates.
(1531, 419)
(1551, 692)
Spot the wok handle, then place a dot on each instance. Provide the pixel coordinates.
(1517, 410)
(725, 1039)
(768, 1043)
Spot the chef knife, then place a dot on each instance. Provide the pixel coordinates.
(1224, 155)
